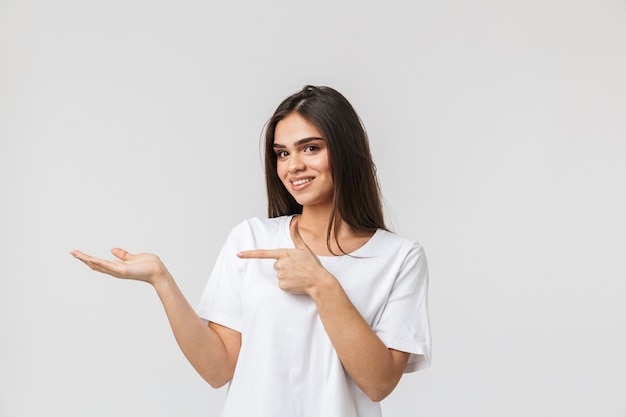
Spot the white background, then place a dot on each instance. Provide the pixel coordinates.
(498, 129)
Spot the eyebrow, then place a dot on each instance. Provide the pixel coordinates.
(299, 142)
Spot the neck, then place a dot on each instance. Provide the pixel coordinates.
(314, 219)
(313, 226)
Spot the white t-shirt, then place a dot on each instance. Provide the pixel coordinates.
(287, 366)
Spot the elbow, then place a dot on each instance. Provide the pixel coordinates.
(379, 392)
(216, 377)
(377, 395)
(379, 388)
(217, 381)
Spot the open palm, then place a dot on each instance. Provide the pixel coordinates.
(141, 267)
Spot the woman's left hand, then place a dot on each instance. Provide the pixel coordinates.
(298, 270)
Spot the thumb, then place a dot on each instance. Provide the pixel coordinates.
(121, 254)
(296, 237)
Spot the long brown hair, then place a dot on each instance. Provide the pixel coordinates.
(357, 197)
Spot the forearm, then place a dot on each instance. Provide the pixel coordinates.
(200, 344)
(372, 366)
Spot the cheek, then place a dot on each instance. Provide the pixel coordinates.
(281, 170)
(321, 165)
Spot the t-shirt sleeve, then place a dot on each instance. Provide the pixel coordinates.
(221, 299)
(404, 323)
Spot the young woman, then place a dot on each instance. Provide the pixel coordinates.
(319, 309)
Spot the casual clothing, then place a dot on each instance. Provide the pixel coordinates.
(287, 366)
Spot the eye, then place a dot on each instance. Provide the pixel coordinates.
(281, 154)
(311, 148)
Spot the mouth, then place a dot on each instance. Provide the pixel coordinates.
(300, 183)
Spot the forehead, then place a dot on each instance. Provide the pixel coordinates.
(293, 128)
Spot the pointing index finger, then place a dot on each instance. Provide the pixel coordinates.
(261, 254)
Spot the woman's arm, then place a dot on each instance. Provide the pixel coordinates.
(375, 368)
(211, 349)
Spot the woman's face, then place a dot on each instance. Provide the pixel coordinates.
(302, 161)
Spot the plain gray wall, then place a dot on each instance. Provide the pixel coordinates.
(498, 129)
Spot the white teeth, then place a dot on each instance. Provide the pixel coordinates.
(303, 181)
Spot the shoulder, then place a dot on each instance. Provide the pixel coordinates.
(386, 241)
(396, 250)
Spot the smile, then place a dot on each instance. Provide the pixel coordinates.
(302, 181)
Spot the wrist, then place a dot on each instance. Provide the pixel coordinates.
(161, 280)
(327, 284)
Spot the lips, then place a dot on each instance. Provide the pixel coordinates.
(300, 183)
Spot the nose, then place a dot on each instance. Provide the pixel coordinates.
(295, 163)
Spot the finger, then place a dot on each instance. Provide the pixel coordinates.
(262, 253)
(121, 254)
(77, 254)
(100, 265)
(105, 269)
(81, 256)
(296, 236)
(87, 258)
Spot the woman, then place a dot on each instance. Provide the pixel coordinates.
(317, 310)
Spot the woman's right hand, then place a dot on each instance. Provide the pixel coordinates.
(141, 267)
